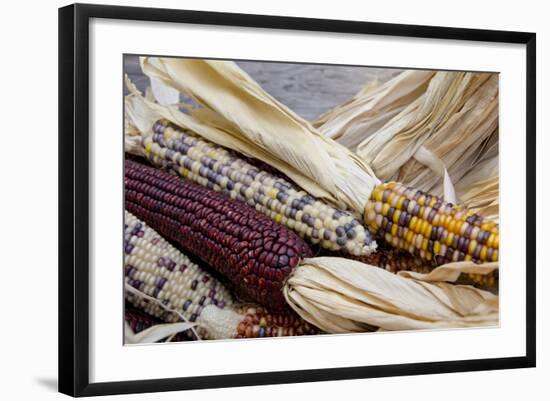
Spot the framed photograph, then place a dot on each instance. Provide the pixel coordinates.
(277, 199)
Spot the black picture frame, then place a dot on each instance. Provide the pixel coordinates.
(74, 198)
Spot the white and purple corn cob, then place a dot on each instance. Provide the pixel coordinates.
(216, 168)
(157, 269)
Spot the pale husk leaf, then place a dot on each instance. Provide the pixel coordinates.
(366, 295)
(253, 115)
(456, 120)
(371, 108)
(479, 189)
(142, 113)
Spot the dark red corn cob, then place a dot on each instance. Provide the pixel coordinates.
(248, 248)
(139, 320)
(395, 260)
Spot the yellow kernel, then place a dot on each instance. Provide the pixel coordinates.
(278, 218)
(272, 193)
(413, 222)
(396, 216)
(409, 236)
(391, 185)
(472, 247)
(385, 208)
(422, 227)
(390, 198)
(148, 146)
(427, 230)
(400, 202)
(495, 255)
(437, 247)
(467, 257)
(452, 226)
(421, 212)
(425, 244)
(421, 200)
(394, 230)
(450, 239)
(483, 253)
(378, 193)
(491, 240)
(496, 241)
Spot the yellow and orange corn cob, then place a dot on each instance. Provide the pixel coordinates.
(430, 228)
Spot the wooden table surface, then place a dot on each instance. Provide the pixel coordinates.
(307, 89)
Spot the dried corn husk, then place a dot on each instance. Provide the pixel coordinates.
(235, 104)
(455, 121)
(342, 296)
(479, 189)
(371, 108)
(141, 113)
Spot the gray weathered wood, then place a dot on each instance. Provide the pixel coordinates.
(307, 89)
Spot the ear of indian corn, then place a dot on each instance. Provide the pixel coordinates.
(430, 228)
(253, 321)
(216, 168)
(250, 250)
(158, 270)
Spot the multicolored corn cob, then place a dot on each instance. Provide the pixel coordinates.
(430, 228)
(250, 250)
(216, 168)
(157, 269)
(252, 321)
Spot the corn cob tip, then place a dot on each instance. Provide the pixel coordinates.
(219, 323)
